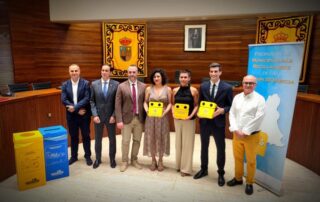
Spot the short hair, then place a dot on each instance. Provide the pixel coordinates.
(214, 65)
(133, 65)
(105, 65)
(164, 78)
(74, 65)
(185, 71)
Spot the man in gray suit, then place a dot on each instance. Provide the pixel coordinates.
(103, 93)
(130, 116)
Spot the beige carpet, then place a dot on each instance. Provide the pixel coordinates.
(106, 184)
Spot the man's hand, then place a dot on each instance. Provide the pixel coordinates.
(239, 134)
(218, 112)
(82, 112)
(70, 108)
(120, 125)
(96, 119)
(112, 119)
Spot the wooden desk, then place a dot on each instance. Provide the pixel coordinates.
(41, 108)
(26, 111)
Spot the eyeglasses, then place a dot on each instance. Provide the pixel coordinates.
(248, 83)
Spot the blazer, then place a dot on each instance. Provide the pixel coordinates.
(83, 98)
(124, 102)
(103, 106)
(223, 99)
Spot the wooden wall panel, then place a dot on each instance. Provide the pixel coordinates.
(304, 140)
(227, 41)
(313, 71)
(45, 50)
(6, 67)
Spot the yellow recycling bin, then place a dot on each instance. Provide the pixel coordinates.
(28, 148)
(180, 111)
(263, 140)
(155, 109)
(206, 109)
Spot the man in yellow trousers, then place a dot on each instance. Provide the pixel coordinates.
(245, 117)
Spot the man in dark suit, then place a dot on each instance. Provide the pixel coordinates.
(130, 116)
(103, 93)
(219, 92)
(75, 97)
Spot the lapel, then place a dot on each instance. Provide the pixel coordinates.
(219, 90)
(79, 88)
(109, 89)
(69, 89)
(129, 90)
(100, 90)
(207, 88)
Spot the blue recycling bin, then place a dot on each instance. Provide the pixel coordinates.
(55, 140)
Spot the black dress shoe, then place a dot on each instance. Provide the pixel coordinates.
(249, 189)
(200, 174)
(234, 182)
(89, 161)
(113, 163)
(72, 160)
(221, 180)
(96, 164)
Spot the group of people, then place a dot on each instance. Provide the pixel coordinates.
(125, 106)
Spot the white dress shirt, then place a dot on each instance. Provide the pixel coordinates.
(136, 87)
(246, 113)
(75, 91)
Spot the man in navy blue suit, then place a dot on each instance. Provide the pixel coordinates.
(75, 97)
(219, 92)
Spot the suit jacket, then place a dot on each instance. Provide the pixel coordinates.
(124, 102)
(83, 98)
(103, 106)
(223, 99)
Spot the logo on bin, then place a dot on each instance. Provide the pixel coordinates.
(33, 181)
(57, 173)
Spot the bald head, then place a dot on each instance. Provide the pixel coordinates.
(74, 71)
(249, 84)
(132, 73)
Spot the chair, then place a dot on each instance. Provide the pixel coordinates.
(176, 76)
(233, 83)
(42, 85)
(303, 88)
(205, 79)
(18, 87)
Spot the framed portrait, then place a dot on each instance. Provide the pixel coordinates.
(194, 37)
(124, 45)
(286, 29)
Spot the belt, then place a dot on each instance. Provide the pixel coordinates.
(255, 132)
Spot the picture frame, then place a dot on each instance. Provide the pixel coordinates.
(195, 37)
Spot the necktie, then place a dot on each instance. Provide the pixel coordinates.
(212, 90)
(105, 88)
(134, 97)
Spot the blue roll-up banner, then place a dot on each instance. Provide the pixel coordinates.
(277, 67)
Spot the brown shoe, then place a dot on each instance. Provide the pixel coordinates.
(136, 164)
(123, 166)
(160, 166)
(185, 174)
(153, 166)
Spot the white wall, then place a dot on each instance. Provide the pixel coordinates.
(97, 10)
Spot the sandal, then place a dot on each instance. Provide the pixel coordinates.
(160, 166)
(153, 166)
